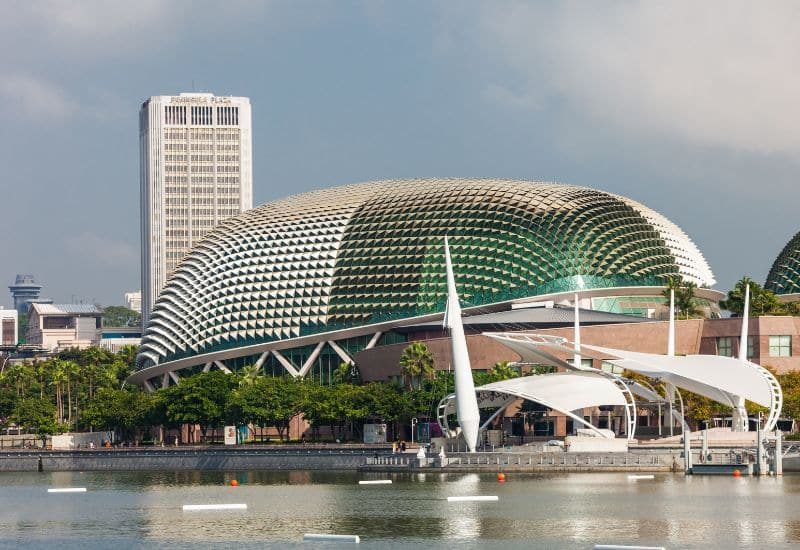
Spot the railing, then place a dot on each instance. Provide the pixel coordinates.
(556, 460)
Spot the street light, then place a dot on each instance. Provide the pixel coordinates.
(413, 427)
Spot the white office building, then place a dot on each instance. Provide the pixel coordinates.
(196, 169)
(133, 301)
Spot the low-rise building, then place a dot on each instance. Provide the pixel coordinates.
(116, 338)
(56, 327)
(133, 300)
(8, 327)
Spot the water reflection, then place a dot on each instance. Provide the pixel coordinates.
(562, 511)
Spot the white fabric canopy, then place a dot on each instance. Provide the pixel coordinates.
(722, 379)
(708, 375)
(562, 391)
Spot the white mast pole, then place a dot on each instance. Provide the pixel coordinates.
(466, 401)
(577, 336)
(739, 416)
(745, 323)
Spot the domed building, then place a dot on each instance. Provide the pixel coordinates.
(302, 284)
(784, 276)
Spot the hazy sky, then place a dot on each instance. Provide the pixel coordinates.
(691, 108)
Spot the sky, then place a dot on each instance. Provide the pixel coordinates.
(690, 108)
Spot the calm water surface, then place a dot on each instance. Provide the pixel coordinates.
(144, 510)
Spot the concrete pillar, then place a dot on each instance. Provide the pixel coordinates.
(687, 452)
(704, 448)
(761, 462)
(778, 453)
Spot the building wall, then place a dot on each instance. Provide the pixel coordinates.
(82, 333)
(195, 171)
(693, 336)
(8, 327)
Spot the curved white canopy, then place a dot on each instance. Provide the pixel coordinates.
(562, 391)
(707, 375)
(719, 378)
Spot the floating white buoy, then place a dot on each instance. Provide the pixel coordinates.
(197, 507)
(375, 482)
(641, 477)
(355, 539)
(68, 490)
(620, 547)
(479, 498)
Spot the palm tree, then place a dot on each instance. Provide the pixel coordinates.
(249, 374)
(417, 362)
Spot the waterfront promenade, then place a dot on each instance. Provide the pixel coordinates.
(339, 457)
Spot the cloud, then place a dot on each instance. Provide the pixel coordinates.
(34, 98)
(710, 73)
(91, 249)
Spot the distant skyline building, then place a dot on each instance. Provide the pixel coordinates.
(24, 292)
(196, 170)
(133, 301)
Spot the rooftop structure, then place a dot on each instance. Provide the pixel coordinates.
(24, 292)
(304, 283)
(56, 327)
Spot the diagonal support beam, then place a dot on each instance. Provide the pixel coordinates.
(174, 377)
(290, 368)
(310, 361)
(341, 353)
(374, 340)
(207, 366)
(148, 386)
(221, 366)
(165, 380)
(261, 360)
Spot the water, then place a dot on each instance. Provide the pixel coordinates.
(144, 509)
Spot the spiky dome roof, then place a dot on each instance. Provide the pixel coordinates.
(362, 253)
(784, 277)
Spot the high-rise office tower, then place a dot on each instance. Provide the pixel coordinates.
(196, 169)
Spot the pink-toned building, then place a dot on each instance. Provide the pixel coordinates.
(773, 341)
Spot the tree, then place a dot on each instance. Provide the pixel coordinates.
(346, 373)
(200, 399)
(762, 301)
(268, 401)
(685, 300)
(502, 370)
(249, 374)
(37, 416)
(123, 411)
(121, 316)
(417, 363)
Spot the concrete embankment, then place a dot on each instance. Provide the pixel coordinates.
(530, 462)
(340, 458)
(187, 459)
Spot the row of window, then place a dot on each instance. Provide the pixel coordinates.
(202, 115)
(779, 346)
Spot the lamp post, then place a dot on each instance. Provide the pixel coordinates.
(413, 427)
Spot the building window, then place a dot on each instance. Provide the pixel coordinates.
(724, 347)
(780, 346)
(751, 346)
